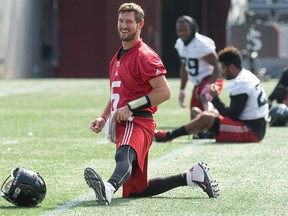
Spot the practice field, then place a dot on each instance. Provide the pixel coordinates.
(45, 127)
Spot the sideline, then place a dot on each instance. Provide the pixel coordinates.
(84, 197)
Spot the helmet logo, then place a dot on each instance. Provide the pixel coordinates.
(24, 188)
(16, 179)
(16, 192)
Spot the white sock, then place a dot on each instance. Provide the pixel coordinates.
(109, 191)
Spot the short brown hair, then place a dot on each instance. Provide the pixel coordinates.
(132, 7)
(230, 55)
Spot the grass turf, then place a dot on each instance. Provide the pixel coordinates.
(45, 127)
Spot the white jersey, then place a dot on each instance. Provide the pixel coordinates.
(192, 56)
(247, 83)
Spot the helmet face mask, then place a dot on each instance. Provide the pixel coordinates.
(7, 185)
(24, 188)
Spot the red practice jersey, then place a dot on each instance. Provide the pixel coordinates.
(130, 75)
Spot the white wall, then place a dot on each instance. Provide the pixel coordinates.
(20, 38)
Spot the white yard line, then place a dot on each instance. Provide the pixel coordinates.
(69, 204)
(84, 197)
(20, 91)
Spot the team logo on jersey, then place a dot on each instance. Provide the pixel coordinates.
(117, 63)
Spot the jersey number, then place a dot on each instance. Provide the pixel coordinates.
(192, 65)
(115, 97)
(261, 99)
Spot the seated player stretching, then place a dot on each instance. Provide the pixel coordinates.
(244, 120)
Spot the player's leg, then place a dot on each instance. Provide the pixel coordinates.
(141, 140)
(103, 190)
(284, 78)
(202, 100)
(206, 133)
(198, 175)
(124, 157)
(196, 100)
(280, 91)
(240, 132)
(201, 122)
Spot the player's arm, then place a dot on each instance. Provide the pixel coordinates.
(98, 124)
(183, 82)
(237, 105)
(183, 75)
(212, 59)
(161, 90)
(107, 111)
(160, 93)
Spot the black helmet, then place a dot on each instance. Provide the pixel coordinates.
(24, 188)
(278, 115)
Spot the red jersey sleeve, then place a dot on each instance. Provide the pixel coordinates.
(150, 64)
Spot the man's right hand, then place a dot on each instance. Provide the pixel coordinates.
(214, 90)
(97, 125)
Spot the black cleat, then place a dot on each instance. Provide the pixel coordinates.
(95, 182)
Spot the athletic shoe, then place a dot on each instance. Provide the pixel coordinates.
(161, 136)
(199, 176)
(103, 191)
(206, 134)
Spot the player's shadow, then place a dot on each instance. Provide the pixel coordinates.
(202, 141)
(15, 207)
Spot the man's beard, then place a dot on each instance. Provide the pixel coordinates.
(129, 37)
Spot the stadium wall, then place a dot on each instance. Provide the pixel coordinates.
(77, 39)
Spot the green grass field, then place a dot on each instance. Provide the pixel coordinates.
(45, 127)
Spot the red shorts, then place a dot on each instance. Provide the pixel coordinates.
(234, 131)
(138, 134)
(196, 97)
